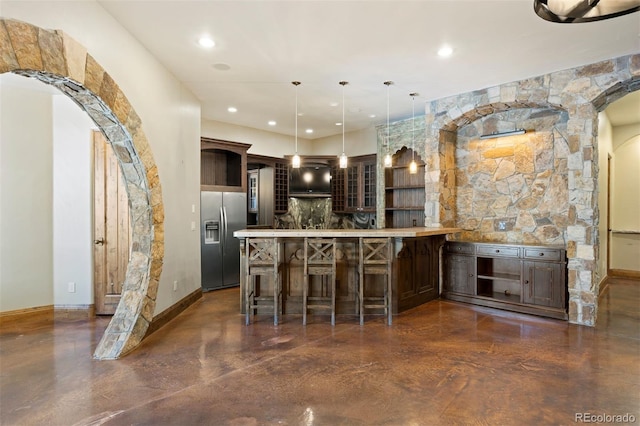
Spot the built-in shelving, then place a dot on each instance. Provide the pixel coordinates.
(529, 279)
(404, 191)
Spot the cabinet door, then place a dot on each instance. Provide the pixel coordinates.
(353, 184)
(252, 191)
(426, 266)
(459, 274)
(542, 284)
(369, 186)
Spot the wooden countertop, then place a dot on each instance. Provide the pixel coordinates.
(345, 233)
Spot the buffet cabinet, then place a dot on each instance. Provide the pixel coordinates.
(520, 278)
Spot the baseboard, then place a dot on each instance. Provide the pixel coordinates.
(170, 313)
(74, 311)
(27, 314)
(624, 273)
(603, 286)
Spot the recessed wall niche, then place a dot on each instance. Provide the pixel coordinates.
(515, 188)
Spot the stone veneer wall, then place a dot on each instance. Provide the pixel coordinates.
(578, 95)
(513, 189)
(56, 59)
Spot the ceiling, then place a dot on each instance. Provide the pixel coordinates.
(264, 45)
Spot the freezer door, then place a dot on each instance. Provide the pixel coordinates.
(211, 234)
(234, 206)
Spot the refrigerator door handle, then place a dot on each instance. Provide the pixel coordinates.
(226, 223)
(223, 225)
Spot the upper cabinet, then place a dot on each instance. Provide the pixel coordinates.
(360, 193)
(223, 165)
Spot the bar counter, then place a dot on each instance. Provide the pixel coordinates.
(415, 268)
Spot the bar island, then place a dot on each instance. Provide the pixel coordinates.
(415, 266)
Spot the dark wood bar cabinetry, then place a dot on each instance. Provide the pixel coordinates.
(415, 266)
(521, 278)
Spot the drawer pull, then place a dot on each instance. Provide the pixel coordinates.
(471, 275)
(541, 254)
(497, 251)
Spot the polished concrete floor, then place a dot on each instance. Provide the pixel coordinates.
(442, 363)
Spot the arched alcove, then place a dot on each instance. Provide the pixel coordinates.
(55, 59)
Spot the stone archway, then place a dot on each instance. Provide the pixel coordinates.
(582, 92)
(54, 58)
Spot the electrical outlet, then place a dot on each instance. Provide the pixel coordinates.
(71, 287)
(502, 225)
(175, 285)
(193, 226)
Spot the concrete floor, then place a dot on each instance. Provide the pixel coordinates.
(441, 363)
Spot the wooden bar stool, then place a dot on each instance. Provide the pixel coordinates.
(262, 259)
(319, 259)
(376, 258)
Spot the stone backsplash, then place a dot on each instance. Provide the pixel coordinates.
(315, 213)
(515, 188)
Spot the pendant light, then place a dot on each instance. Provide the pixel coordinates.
(343, 157)
(387, 158)
(295, 161)
(413, 167)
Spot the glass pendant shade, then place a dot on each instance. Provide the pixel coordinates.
(295, 161)
(343, 161)
(413, 167)
(388, 161)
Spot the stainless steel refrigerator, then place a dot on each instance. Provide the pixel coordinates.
(221, 213)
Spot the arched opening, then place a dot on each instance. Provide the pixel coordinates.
(55, 59)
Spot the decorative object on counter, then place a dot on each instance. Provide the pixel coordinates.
(388, 160)
(375, 258)
(319, 259)
(295, 161)
(413, 166)
(343, 157)
(577, 11)
(262, 259)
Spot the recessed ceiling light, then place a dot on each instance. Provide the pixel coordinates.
(232, 109)
(206, 42)
(309, 131)
(272, 123)
(372, 116)
(338, 124)
(334, 104)
(445, 51)
(222, 67)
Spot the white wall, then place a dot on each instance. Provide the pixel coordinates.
(170, 119)
(72, 203)
(262, 142)
(605, 149)
(625, 210)
(26, 199)
(358, 142)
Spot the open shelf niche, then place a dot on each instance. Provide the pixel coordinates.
(404, 191)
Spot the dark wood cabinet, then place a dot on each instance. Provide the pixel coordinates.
(418, 271)
(360, 184)
(460, 274)
(281, 187)
(223, 165)
(337, 189)
(529, 279)
(405, 194)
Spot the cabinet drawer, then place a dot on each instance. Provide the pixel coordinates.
(461, 248)
(498, 251)
(540, 253)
